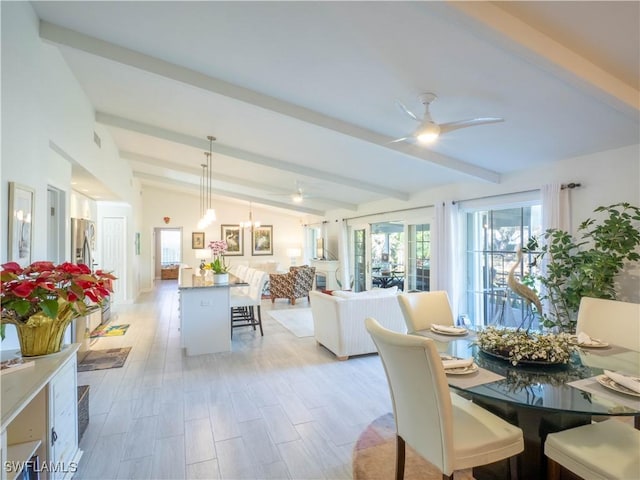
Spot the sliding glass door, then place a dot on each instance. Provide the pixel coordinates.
(361, 245)
(418, 257)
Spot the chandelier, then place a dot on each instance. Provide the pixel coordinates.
(207, 213)
(250, 223)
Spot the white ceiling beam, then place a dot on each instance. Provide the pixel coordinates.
(203, 144)
(63, 36)
(176, 167)
(239, 196)
(548, 53)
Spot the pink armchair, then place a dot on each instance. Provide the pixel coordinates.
(295, 284)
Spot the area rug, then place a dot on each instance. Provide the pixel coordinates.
(297, 320)
(112, 331)
(374, 456)
(103, 359)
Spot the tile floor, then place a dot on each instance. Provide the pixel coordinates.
(276, 407)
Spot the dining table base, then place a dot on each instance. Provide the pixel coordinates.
(536, 424)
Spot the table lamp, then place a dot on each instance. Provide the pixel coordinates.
(203, 254)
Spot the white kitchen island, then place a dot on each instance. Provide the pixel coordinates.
(205, 314)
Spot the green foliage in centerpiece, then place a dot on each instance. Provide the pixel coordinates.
(586, 266)
(519, 345)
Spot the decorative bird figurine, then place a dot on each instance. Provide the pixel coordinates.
(520, 289)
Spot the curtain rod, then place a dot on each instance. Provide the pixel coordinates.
(562, 187)
(389, 211)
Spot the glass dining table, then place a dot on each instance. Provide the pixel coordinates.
(542, 399)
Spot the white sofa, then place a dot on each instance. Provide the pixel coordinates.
(338, 319)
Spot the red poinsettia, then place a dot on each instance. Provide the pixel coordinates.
(55, 290)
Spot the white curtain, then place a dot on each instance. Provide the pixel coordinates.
(445, 267)
(306, 247)
(343, 255)
(555, 207)
(555, 214)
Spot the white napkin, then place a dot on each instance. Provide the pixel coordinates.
(448, 329)
(584, 339)
(631, 383)
(457, 363)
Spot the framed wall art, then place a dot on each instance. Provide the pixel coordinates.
(197, 240)
(233, 235)
(21, 206)
(262, 240)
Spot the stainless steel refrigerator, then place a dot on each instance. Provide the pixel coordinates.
(83, 241)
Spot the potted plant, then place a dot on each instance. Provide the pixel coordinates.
(42, 299)
(585, 266)
(218, 266)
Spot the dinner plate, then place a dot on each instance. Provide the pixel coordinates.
(462, 370)
(608, 383)
(440, 332)
(592, 344)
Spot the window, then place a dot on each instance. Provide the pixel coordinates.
(170, 247)
(492, 240)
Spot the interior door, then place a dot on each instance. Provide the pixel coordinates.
(360, 248)
(114, 254)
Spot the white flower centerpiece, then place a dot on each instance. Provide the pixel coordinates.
(520, 345)
(523, 346)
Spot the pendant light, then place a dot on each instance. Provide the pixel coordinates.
(202, 223)
(207, 213)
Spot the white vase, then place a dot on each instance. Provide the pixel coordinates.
(220, 278)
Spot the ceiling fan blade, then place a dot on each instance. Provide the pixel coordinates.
(408, 112)
(473, 122)
(403, 139)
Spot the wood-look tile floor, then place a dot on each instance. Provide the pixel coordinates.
(276, 407)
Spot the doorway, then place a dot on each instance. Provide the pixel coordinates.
(168, 248)
(56, 231)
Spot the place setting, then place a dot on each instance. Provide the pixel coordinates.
(619, 382)
(448, 330)
(583, 340)
(458, 366)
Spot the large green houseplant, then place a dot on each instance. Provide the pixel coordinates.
(585, 266)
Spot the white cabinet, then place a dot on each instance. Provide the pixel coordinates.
(205, 319)
(40, 416)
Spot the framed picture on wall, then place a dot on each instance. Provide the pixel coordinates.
(197, 240)
(21, 206)
(262, 240)
(233, 235)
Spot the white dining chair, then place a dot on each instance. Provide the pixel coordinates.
(607, 450)
(422, 309)
(611, 321)
(445, 429)
(245, 308)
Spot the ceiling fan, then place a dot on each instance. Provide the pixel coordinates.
(298, 195)
(428, 131)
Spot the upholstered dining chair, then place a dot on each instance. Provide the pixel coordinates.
(608, 450)
(245, 307)
(450, 432)
(611, 321)
(422, 309)
(292, 285)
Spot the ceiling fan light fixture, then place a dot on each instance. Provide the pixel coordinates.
(297, 197)
(428, 133)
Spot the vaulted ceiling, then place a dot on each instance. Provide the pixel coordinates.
(302, 95)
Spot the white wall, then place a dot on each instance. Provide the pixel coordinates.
(47, 124)
(184, 211)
